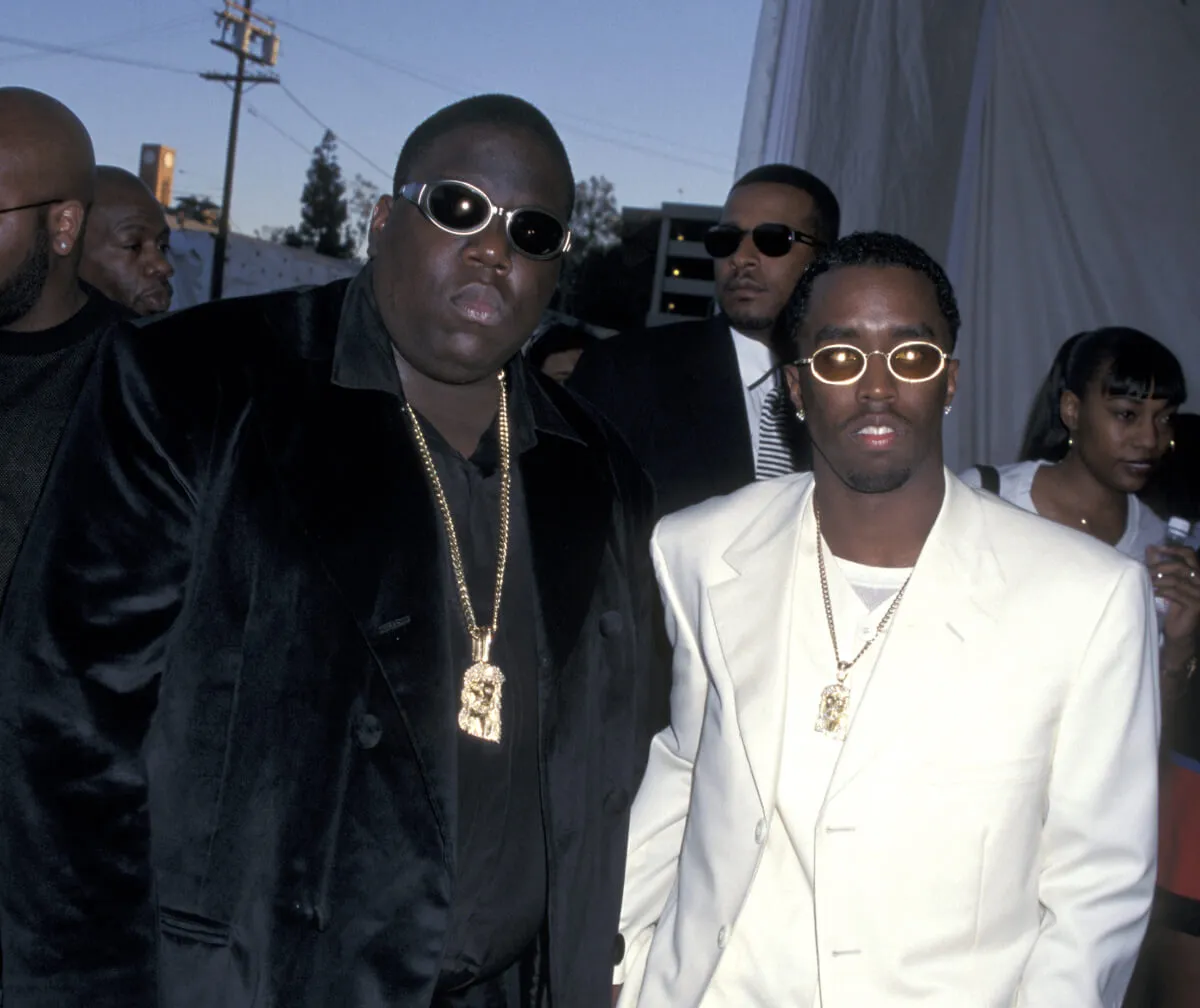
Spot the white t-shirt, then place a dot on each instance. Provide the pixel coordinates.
(756, 365)
(1142, 527)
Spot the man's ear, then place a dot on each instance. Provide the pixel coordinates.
(66, 223)
(951, 381)
(791, 374)
(380, 215)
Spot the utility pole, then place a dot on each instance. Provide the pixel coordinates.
(251, 38)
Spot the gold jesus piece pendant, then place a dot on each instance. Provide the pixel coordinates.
(483, 683)
(832, 711)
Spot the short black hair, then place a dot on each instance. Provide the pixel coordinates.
(1129, 364)
(559, 337)
(500, 110)
(829, 214)
(864, 248)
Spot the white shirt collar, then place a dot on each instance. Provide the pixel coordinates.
(755, 360)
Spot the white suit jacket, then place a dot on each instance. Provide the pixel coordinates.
(988, 837)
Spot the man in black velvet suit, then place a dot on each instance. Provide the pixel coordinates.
(324, 688)
(702, 403)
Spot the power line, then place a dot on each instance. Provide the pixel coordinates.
(459, 93)
(79, 53)
(341, 139)
(278, 129)
(371, 58)
(691, 162)
(252, 39)
(84, 47)
(58, 50)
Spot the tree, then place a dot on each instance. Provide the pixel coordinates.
(200, 209)
(362, 206)
(595, 228)
(278, 235)
(614, 288)
(323, 211)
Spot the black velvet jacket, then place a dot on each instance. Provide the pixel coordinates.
(227, 616)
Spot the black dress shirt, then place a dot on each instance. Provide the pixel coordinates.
(500, 875)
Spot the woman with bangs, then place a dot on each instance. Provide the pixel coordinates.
(1101, 425)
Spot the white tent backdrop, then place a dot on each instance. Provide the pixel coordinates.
(1046, 151)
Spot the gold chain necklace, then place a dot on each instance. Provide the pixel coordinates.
(832, 719)
(479, 714)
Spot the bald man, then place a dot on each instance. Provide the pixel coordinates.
(125, 244)
(49, 323)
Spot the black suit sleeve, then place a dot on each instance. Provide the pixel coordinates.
(88, 621)
(654, 652)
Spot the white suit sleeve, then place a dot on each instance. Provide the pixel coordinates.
(1100, 834)
(660, 810)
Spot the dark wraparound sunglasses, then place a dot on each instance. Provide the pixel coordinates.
(773, 240)
(31, 206)
(844, 364)
(460, 208)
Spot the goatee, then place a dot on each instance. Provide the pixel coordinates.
(23, 289)
(749, 323)
(877, 483)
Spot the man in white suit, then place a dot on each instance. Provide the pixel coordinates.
(912, 750)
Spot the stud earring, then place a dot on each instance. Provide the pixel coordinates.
(947, 410)
(62, 245)
(800, 417)
(1070, 441)
(1172, 444)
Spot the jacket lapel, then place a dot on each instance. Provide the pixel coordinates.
(354, 482)
(717, 423)
(948, 606)
(569, 501)
(752, 612)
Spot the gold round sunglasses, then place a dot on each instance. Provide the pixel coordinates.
(844, 364)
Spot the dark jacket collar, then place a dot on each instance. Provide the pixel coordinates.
(363, 359)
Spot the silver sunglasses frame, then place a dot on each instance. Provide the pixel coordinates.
(885, 354)
(418, 193)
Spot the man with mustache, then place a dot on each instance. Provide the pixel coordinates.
(702, 403)
(912, 758)
(126, 242)
(384, 591)
(50, 324)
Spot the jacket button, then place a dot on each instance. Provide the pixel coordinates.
(303, 910)
(368, 731)
(618, 949)
(722, 937)
(611, 624)
(760, 831)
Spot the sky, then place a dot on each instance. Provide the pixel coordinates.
(648, 93)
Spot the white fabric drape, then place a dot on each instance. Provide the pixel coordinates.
(1047, 153)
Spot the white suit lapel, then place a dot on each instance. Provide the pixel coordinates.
(752, 613)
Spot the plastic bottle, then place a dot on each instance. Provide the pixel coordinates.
(1178, 531)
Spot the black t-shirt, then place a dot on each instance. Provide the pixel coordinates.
(41, 374)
